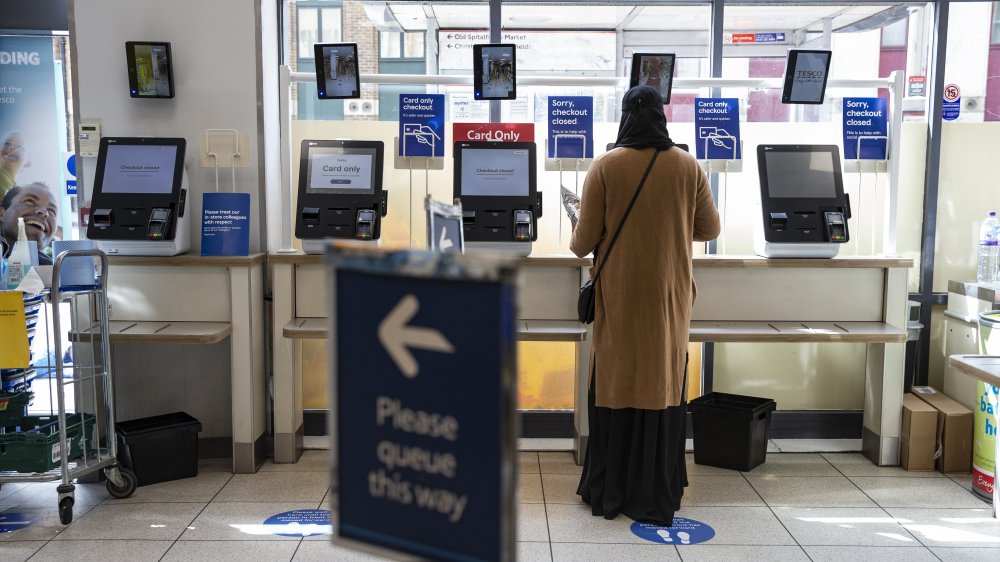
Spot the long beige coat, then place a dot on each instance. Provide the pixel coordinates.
(645, 293)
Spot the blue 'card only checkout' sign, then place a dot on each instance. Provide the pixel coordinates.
(225, 224)
(421, 125)
(571, 127)
(423, 368)
(717, 123)
(866, 128)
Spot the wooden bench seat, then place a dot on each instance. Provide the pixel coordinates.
(530, 330)
(795, 332)
(130, 331)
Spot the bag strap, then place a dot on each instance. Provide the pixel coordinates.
(631, 204)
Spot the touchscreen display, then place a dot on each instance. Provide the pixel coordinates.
(149, 70)
(807, 82)
(337, 71)
(807, 175)
(495, 172)
(147, 170)
(654, 70)
(340, 170)
(494, 72)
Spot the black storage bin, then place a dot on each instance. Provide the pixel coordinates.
(730, 431)
(159, 448)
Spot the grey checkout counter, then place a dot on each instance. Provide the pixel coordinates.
(740, 299)
(966, 300)
(194, 300)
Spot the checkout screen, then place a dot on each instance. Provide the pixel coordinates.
(335, 170)
(146, 169)
(499, 172)
(807, 175)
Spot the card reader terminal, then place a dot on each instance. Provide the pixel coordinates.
(159, 223)
(522, 226)
(836, 227)
(365, 225)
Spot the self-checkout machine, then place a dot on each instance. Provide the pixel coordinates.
(421, 141)
(139, 201)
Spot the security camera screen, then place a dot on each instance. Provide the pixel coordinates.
(808, 79)
(337, 71)
(142, 169)
(337, 170)
(149, 70)
(496, 172)
(808, 175)
(653, 70)
(494, 68)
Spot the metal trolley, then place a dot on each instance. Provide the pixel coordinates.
(76, 446)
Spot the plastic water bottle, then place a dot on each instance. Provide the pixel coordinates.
(988, 249)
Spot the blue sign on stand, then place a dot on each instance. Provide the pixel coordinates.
(866, 128)
(571, 127)
(225, 224)
(684, 531)
(717, 124)
(421, 125)
(422, 389)
(300, 523)
(71, 168)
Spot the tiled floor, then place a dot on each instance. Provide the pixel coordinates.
(808, 506)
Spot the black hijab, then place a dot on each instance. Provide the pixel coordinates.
(643, 122)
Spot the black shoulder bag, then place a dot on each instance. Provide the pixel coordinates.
(585, 304)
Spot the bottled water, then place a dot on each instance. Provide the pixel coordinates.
(988, 249)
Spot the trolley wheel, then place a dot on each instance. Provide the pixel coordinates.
(127, 489)
(66, 511)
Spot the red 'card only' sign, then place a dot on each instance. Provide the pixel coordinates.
(493, 132)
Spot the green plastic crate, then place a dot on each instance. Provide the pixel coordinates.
(12, 407)
(33, 446)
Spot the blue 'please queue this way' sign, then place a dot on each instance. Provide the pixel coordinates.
(420, 417)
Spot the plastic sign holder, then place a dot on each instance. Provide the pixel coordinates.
(863, 166)
(408, 163)
(575, 165)
(868, 165)
(723, 166)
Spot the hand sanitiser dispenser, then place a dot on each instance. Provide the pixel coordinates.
(500, 201)
(803, 205)
(340, 192)
(140, 197)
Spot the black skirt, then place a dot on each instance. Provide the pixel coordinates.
(635, 462)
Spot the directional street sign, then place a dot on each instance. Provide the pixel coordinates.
(422, 368)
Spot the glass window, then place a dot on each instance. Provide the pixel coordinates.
(307, 27)
(330, 25)
(413, 45)
(894, 35)
(389, 44)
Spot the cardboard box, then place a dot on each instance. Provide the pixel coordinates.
(954, 430)
(918, 440)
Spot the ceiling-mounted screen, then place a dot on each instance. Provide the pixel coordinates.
(806, 73)
(337, 75)
(494, 72)
(654, 69)
(150, 70)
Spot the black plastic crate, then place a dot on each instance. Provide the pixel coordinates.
(159, 448)
(730, 430)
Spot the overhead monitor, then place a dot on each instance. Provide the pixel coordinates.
(494, 169)
(337, 75)
(340, 167)
(800, 171)
(806, 73)
(150, 70)
(654, 69)
(494, 70)
(139, 166)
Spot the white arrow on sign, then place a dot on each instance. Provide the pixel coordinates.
(397, 337)
(445, 242)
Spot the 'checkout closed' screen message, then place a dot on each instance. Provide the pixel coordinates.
(338, 171)
(139, 169)
(495, 172)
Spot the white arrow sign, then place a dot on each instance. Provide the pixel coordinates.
(397, 337)
(445, 242)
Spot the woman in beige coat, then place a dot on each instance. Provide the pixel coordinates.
(635, 456)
